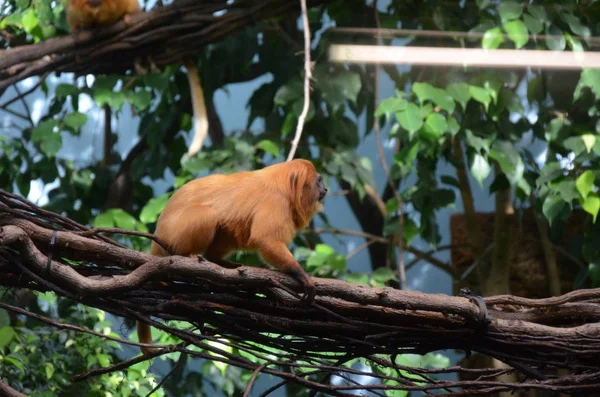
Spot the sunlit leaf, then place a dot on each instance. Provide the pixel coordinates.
(492, 39)
(389, 106)
(517, 32)
(591, 205)
(410, 119)
(585, 183)
(480, 168)
(153, 208)
(269, 146)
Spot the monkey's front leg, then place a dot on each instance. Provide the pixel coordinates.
(279, 256)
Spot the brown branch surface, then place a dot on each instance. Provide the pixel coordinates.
(257, 311)
(164, 35)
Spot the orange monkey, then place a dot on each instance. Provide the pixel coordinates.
(252, 210)
(89, 13)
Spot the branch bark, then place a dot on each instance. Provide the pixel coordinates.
(248, 308)
(166, 35)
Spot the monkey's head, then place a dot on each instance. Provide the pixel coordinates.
(306, 187)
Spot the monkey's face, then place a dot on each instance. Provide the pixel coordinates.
(321, 187)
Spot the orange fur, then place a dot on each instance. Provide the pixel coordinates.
(254, 210)
(84, 13)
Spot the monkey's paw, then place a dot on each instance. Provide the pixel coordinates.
(309, 291)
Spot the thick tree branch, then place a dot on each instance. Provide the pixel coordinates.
(257, 310)
(166, 35)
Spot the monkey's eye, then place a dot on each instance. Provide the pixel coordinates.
(319, 178)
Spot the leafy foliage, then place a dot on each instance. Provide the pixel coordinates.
(493, 115)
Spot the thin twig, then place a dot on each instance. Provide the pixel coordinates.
(182, 357)
(252, 379)
(25, 105)
(307, 78)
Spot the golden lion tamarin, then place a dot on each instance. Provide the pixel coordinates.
(253, 210)
(90, 13)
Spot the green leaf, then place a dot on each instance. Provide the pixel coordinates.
(407, 154)
(423, 91)
(589, 140)
(482, 4)
(553, 205)
(480, 168)
(517, 32)
(289, 92)
(30, 21)
(297, 107)
(15, 362)
(534, 25)
(383, 274)
(574, 44)
(450, 180)
(575, 24)
(104, 220)
(63, 90)
(477, 143)
(45, 127)
(460, 92)
(481, 95)
(338, 87)
(269, 146)
(358, 278)
(104, 96)
(123, 220)
(289, 124)
(389, 106)
(103, 359)
(591, 205)
(524, 186)
(153, 208)
(440, 97)
(575, 144)
(436, 125)
(509, 10)
(140, 99)
(555, 40)
(51, 144)
(585, 183)
(567, 190)
(49, 369)
(75, 120)
(492, 39)
(589, 78)
(453, 126)
(509, 160)
(538, 12)
(7, 334)
(410, 119)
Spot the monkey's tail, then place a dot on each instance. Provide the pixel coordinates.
(144, 336)
(199, 108)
